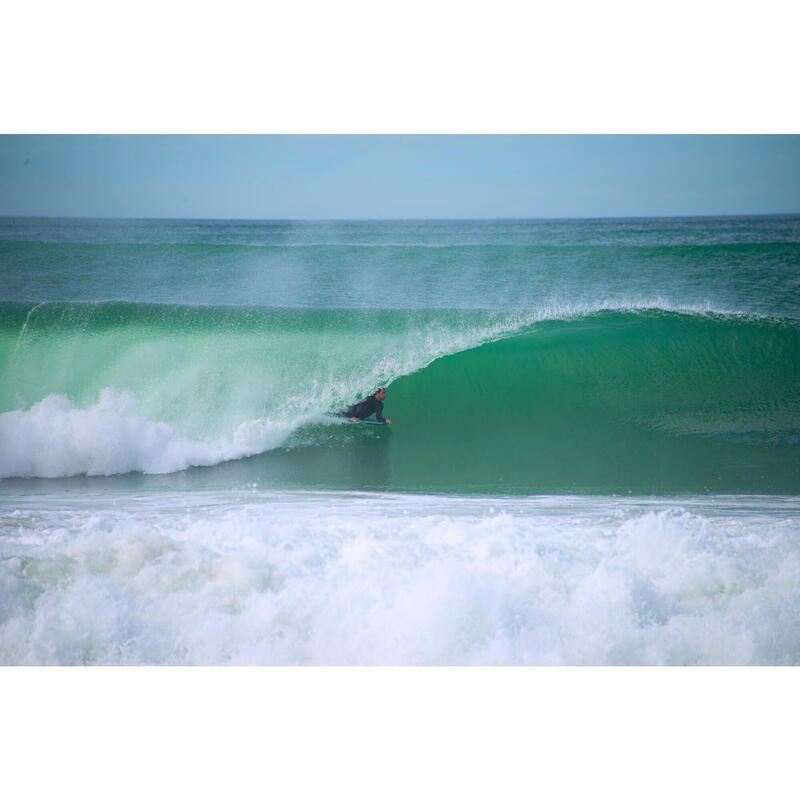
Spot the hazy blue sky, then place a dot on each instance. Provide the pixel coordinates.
(329, 177)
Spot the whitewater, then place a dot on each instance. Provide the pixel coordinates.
(594, 456)
(253, 577)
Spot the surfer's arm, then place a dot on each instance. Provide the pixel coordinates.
(379, 414)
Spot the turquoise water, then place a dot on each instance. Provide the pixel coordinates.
(198, 365)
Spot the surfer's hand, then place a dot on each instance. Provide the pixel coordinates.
(388, 422)
(355, 419)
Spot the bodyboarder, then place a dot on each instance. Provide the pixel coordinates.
(368, 406)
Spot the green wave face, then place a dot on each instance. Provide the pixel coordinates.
(611, 401)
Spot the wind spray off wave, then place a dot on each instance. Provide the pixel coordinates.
(102, 384)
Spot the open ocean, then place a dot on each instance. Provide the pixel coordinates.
(595, 455)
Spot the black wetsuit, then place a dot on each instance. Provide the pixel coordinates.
(371, 405)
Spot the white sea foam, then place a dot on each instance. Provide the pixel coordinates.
(55, 439)
(265, 578)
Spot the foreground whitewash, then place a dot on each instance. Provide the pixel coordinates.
(344, 578)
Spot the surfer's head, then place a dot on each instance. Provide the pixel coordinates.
(380, 394)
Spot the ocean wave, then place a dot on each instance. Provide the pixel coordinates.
(563, 397)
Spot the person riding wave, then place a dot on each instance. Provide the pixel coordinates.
(368, 406)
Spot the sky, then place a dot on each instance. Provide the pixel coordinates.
(397, 177)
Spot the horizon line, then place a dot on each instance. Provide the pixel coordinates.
(402, 219)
